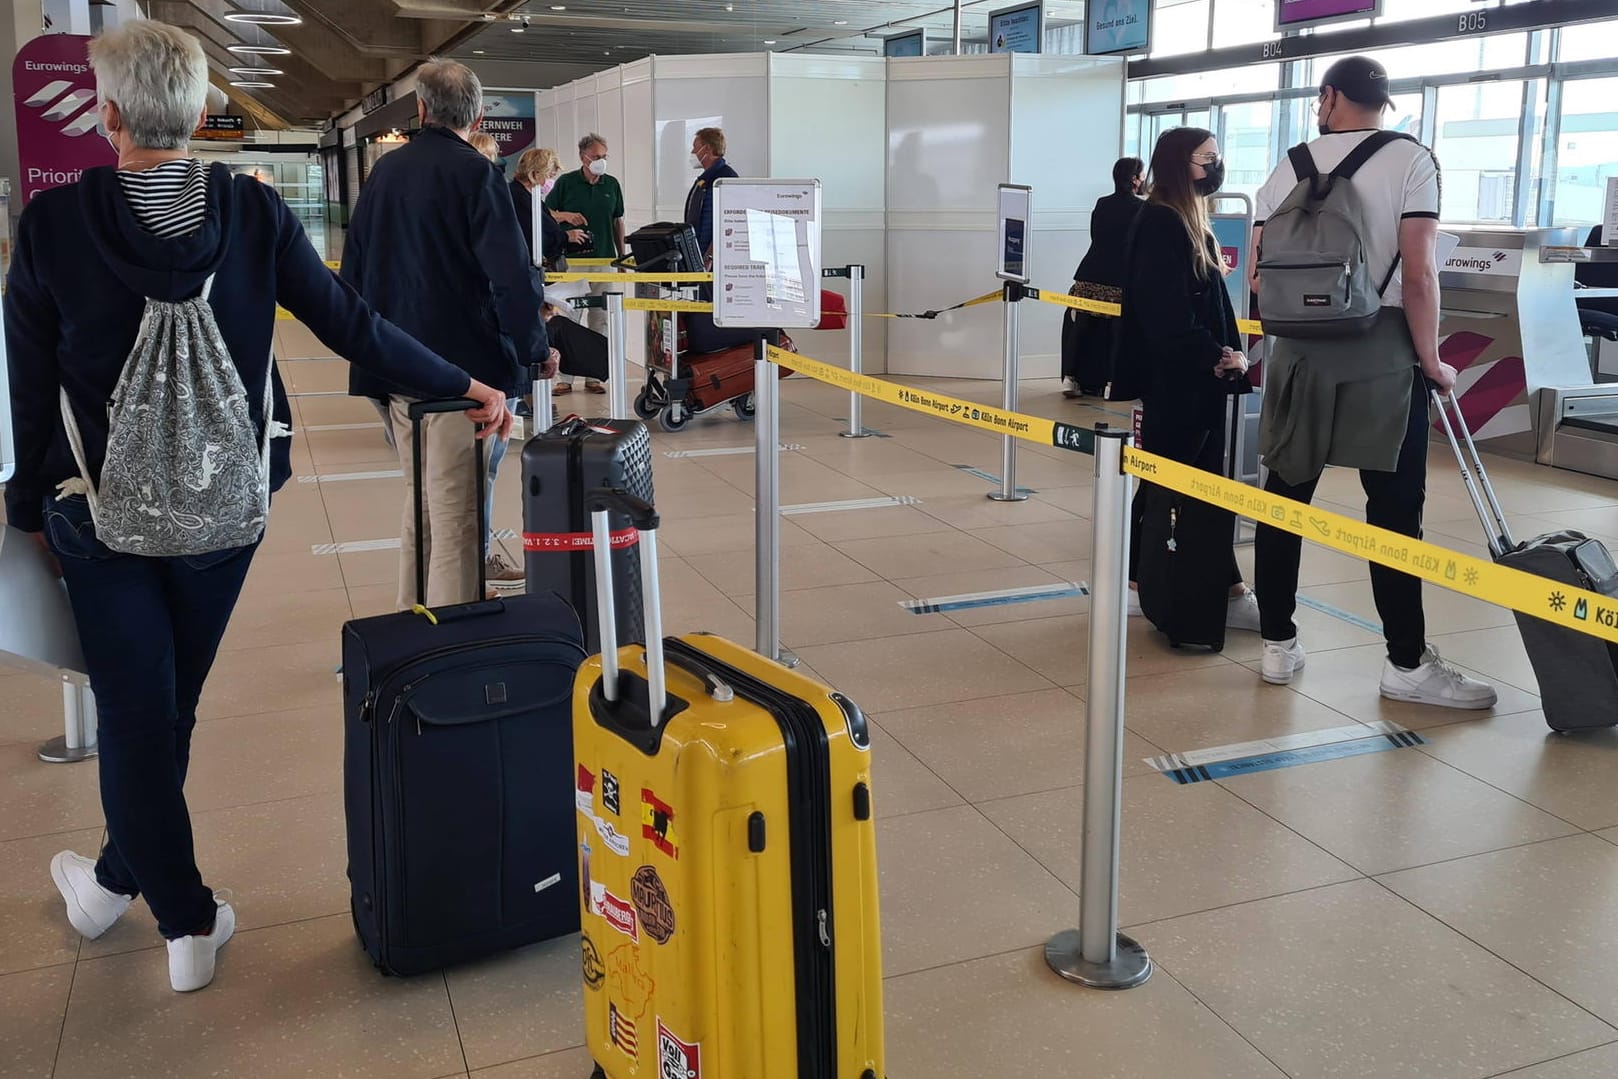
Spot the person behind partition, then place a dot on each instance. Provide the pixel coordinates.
(1087, 340)
(708, 155)
(1178, 326)
(162, 226)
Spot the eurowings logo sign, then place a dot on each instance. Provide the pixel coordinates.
(1491, 262)
(56, 113)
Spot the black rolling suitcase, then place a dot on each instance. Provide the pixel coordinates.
(559, 467)
(1577, 673)
(458, 773)
(1184, 570)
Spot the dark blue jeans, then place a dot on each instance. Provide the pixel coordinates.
(150, 628)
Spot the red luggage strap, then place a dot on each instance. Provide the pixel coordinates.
(567, 542)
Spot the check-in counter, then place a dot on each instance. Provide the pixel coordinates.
(1510, 327)
(1576, 423)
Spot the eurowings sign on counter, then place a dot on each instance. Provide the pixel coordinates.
(510, 119)
(57, 122)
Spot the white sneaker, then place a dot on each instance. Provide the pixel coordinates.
(1436, 682)
(1070, 388)
(1282, 661)
(191, 959)
(91, 908)
(1241, 612)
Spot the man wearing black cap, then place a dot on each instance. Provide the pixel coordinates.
(1338, 391)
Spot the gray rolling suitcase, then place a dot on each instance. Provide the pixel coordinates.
(1577, 673)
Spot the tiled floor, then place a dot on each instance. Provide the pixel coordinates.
(1446, 912)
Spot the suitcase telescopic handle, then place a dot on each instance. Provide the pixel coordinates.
(1474, 475)
(601, 502)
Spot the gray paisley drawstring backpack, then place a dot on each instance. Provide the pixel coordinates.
(186, 471)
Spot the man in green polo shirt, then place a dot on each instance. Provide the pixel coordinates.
(590, 199)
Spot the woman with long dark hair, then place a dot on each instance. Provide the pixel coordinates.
(1178, 332)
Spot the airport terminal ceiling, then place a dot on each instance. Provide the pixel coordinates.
(340, 50)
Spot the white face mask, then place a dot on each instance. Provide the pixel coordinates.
(598, 167)
(696, 162)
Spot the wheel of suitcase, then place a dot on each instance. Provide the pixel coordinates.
(745, 407)
(645, 407)
(674, 418)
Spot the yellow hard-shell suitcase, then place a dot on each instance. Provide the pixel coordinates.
(727, 857)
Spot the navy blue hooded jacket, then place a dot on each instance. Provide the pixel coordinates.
(699, 203)
(77, 288)
(435, 247)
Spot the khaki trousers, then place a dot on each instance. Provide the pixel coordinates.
(451, 543)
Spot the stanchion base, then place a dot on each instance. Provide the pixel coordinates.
(1001, 496)
(788, 660)
(1131, 966)
(56, 752)
(854, 434)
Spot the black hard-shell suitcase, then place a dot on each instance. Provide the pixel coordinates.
(1577, 673)
(457, 773)
(559, 467)
(1184, 570)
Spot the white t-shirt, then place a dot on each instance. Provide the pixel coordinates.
(1400, 180)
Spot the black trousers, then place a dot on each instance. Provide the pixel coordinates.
(1393, 500)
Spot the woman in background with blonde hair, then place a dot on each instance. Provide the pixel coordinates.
(484, 143)
(537, 171)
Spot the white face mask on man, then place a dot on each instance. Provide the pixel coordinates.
(598, 167)
(696, 163)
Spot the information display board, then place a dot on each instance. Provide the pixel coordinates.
(912, 44)
(1018, 29)
(766, 255)
(1114, 27)
(1016, 225)
(1291, 14)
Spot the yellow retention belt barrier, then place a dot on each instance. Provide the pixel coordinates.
(632, 303)
(1250, 327)
(1575, 608)
(988, 297)
(591, 262)
(984, 417)
(605, 278)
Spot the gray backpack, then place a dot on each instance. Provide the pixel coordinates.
(186, 470)
(1313, 278)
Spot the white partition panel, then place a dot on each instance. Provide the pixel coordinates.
(948, 150)
(828, 120)
(636, 158)
(1066, 130)
(729, 91)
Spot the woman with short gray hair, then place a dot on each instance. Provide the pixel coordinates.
(162, 237)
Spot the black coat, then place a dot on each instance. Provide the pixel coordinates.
(1109, 225)
(435, 247)
(1176, 324)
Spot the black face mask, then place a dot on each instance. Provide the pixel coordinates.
(1213, 178)
(1324, 126)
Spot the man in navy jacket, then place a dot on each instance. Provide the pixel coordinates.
(435, 247)
(707, 153)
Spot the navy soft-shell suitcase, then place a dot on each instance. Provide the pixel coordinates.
(458, 775)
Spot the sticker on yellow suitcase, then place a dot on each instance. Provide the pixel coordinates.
(677, 1059)
(585, 799)
(657, 823)
(652, 903)
(622, 1030)
(594, 972)
(603, 904)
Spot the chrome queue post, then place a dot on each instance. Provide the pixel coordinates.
(617, 357)
(856, 348)
(1009, 491)
(767, 510)
(1096, 954)
(78, 739)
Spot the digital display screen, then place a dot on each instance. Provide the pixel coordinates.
(1018, 29)
(911, 44)
(1291, 14)
(1118, 26)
